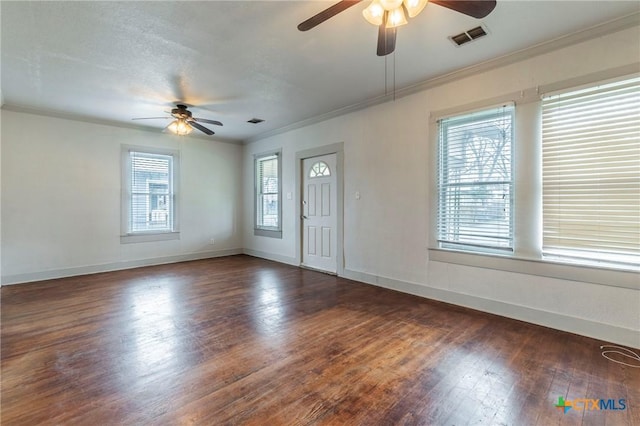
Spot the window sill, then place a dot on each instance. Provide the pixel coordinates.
(271, 233)
(540, 267)
(149, 237)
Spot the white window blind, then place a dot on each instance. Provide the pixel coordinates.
(475, 180)
(267, 193)
(591, 173)
(151, 192)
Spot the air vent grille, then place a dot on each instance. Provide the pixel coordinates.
(469, 35)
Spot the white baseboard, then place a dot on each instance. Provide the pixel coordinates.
(270, 256)
(115, 266)
(596, 330)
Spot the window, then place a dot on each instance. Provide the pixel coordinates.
(319, 169)
(268, 208)
(550, 188)
(591, 173)
(149, 194)
(475, 181)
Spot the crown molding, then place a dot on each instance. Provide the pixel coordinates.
(596, 31)
(609, 27)
(104, 122)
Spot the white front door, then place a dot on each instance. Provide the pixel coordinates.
(319, 213)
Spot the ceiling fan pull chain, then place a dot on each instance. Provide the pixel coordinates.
(394, 76)
(386, 91)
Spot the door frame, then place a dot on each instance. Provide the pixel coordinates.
(338, 150)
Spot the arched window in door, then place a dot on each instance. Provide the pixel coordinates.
(319, 169)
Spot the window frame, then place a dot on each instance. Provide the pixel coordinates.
(462, 118)
(563, 250)
(320, 172)
(527, 162)
(261, 230)
(128, 236)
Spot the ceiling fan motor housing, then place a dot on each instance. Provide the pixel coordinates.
(181, 112)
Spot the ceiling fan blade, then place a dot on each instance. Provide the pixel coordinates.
(326, 14)
(204, 120)
(200, 127)
(386, 38)
(474, 8)
(150, 118)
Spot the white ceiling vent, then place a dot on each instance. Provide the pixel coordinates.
(469, 35)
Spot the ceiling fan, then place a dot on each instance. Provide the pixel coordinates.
(184, 122)
(387, 15)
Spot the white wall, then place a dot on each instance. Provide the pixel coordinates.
(61, 198)
(386, 232)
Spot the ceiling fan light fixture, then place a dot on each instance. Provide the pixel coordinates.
(390, 5)
(394, 15)
(414, 7)
(374, 13)
(180, 127)
(396, 18)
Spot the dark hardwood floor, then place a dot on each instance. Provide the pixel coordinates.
(240, 340)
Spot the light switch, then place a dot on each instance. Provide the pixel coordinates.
(289, 195)
(357, 195)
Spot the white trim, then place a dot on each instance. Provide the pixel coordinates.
(584, 81)
(596, 31)
(534, 94)
(480, 108)
(596, 330)
(112, 123)
(149, 237)
(114, 266)
(270, 256)
(542, 268)
(271, 233)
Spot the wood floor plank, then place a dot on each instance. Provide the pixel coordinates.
(240, 340)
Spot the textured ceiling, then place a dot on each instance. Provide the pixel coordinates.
(235, 60)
